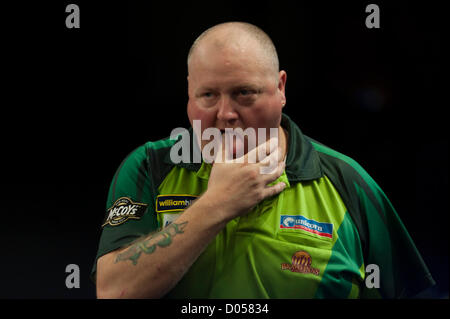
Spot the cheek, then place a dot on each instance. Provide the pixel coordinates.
(207, 117)
(264, 116)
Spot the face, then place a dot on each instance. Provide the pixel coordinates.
(234, 88)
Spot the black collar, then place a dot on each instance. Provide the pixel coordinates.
(302, 162)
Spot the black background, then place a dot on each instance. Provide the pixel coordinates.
(75, 102)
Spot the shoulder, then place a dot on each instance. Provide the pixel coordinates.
(343, 167)
(147, 159)
(148, 152)
(361, 194)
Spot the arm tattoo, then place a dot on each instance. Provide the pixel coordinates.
(149, 244)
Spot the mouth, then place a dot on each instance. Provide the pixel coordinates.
(234, 143)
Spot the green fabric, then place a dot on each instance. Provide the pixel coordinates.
(348, 246)
(385, 240)
(244, 260)
(343, 222)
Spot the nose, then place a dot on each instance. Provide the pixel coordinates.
(226, 112)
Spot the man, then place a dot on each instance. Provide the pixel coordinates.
(310, 228)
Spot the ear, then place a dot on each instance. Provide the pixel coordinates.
(282, 77)
(187, 79)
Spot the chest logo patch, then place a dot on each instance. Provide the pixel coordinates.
(309, 225)
(173, 203)
(301, 262)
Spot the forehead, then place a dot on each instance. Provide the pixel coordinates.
(221, 64)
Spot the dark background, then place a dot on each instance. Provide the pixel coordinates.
(75, 102)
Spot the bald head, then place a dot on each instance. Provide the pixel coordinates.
(236, 38)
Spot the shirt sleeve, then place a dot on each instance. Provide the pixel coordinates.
(130, 211)
(391, 253)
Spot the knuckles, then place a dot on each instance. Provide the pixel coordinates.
(252, 174)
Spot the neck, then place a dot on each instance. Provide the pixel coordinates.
(283, 141)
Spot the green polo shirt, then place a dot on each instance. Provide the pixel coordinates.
(316, 239)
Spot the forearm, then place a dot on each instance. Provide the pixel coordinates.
(152, 266)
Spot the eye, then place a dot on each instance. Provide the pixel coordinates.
(208, 95)
(245, 92)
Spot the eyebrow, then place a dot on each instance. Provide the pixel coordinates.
(234, 87)
(205, 88)
(248, 86)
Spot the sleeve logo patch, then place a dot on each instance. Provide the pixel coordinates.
(122, 210)
(309, 225)
(173, 203)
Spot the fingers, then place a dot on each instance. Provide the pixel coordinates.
(260, 152)
(274, 173)
(268, 154)
(273, 157)
(274, 190)
(219, 156)
(271, 164)
(225, 152)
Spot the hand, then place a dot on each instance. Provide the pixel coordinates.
(236, 186)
